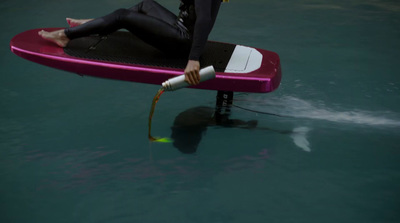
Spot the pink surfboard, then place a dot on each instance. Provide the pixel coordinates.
(121, 56)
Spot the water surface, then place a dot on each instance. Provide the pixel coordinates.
(75, 149)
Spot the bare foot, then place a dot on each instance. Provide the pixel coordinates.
(57, 37)
(77, 22)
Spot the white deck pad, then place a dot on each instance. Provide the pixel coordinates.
(244, 60)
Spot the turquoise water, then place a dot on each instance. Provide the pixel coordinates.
(75, 149)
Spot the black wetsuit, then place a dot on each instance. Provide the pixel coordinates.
(186, 33)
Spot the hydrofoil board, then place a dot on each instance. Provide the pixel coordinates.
(122, 56)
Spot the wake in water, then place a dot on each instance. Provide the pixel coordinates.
(289, 106)
(292, 107)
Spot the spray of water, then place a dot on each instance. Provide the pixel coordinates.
(292, 107)
(289, 106)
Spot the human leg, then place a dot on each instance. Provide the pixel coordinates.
(77, 22)
(154, 9)
(80, 28)
(148, 20)
(58, 37)
(102, 26)
(147, 7)
(154, 31)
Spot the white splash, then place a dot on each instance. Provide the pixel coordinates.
(292, 107)
(297, 108)
(299, 137)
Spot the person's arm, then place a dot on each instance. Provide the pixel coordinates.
(192, 75)
(206, 13)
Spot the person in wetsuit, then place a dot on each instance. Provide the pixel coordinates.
(186, 33)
